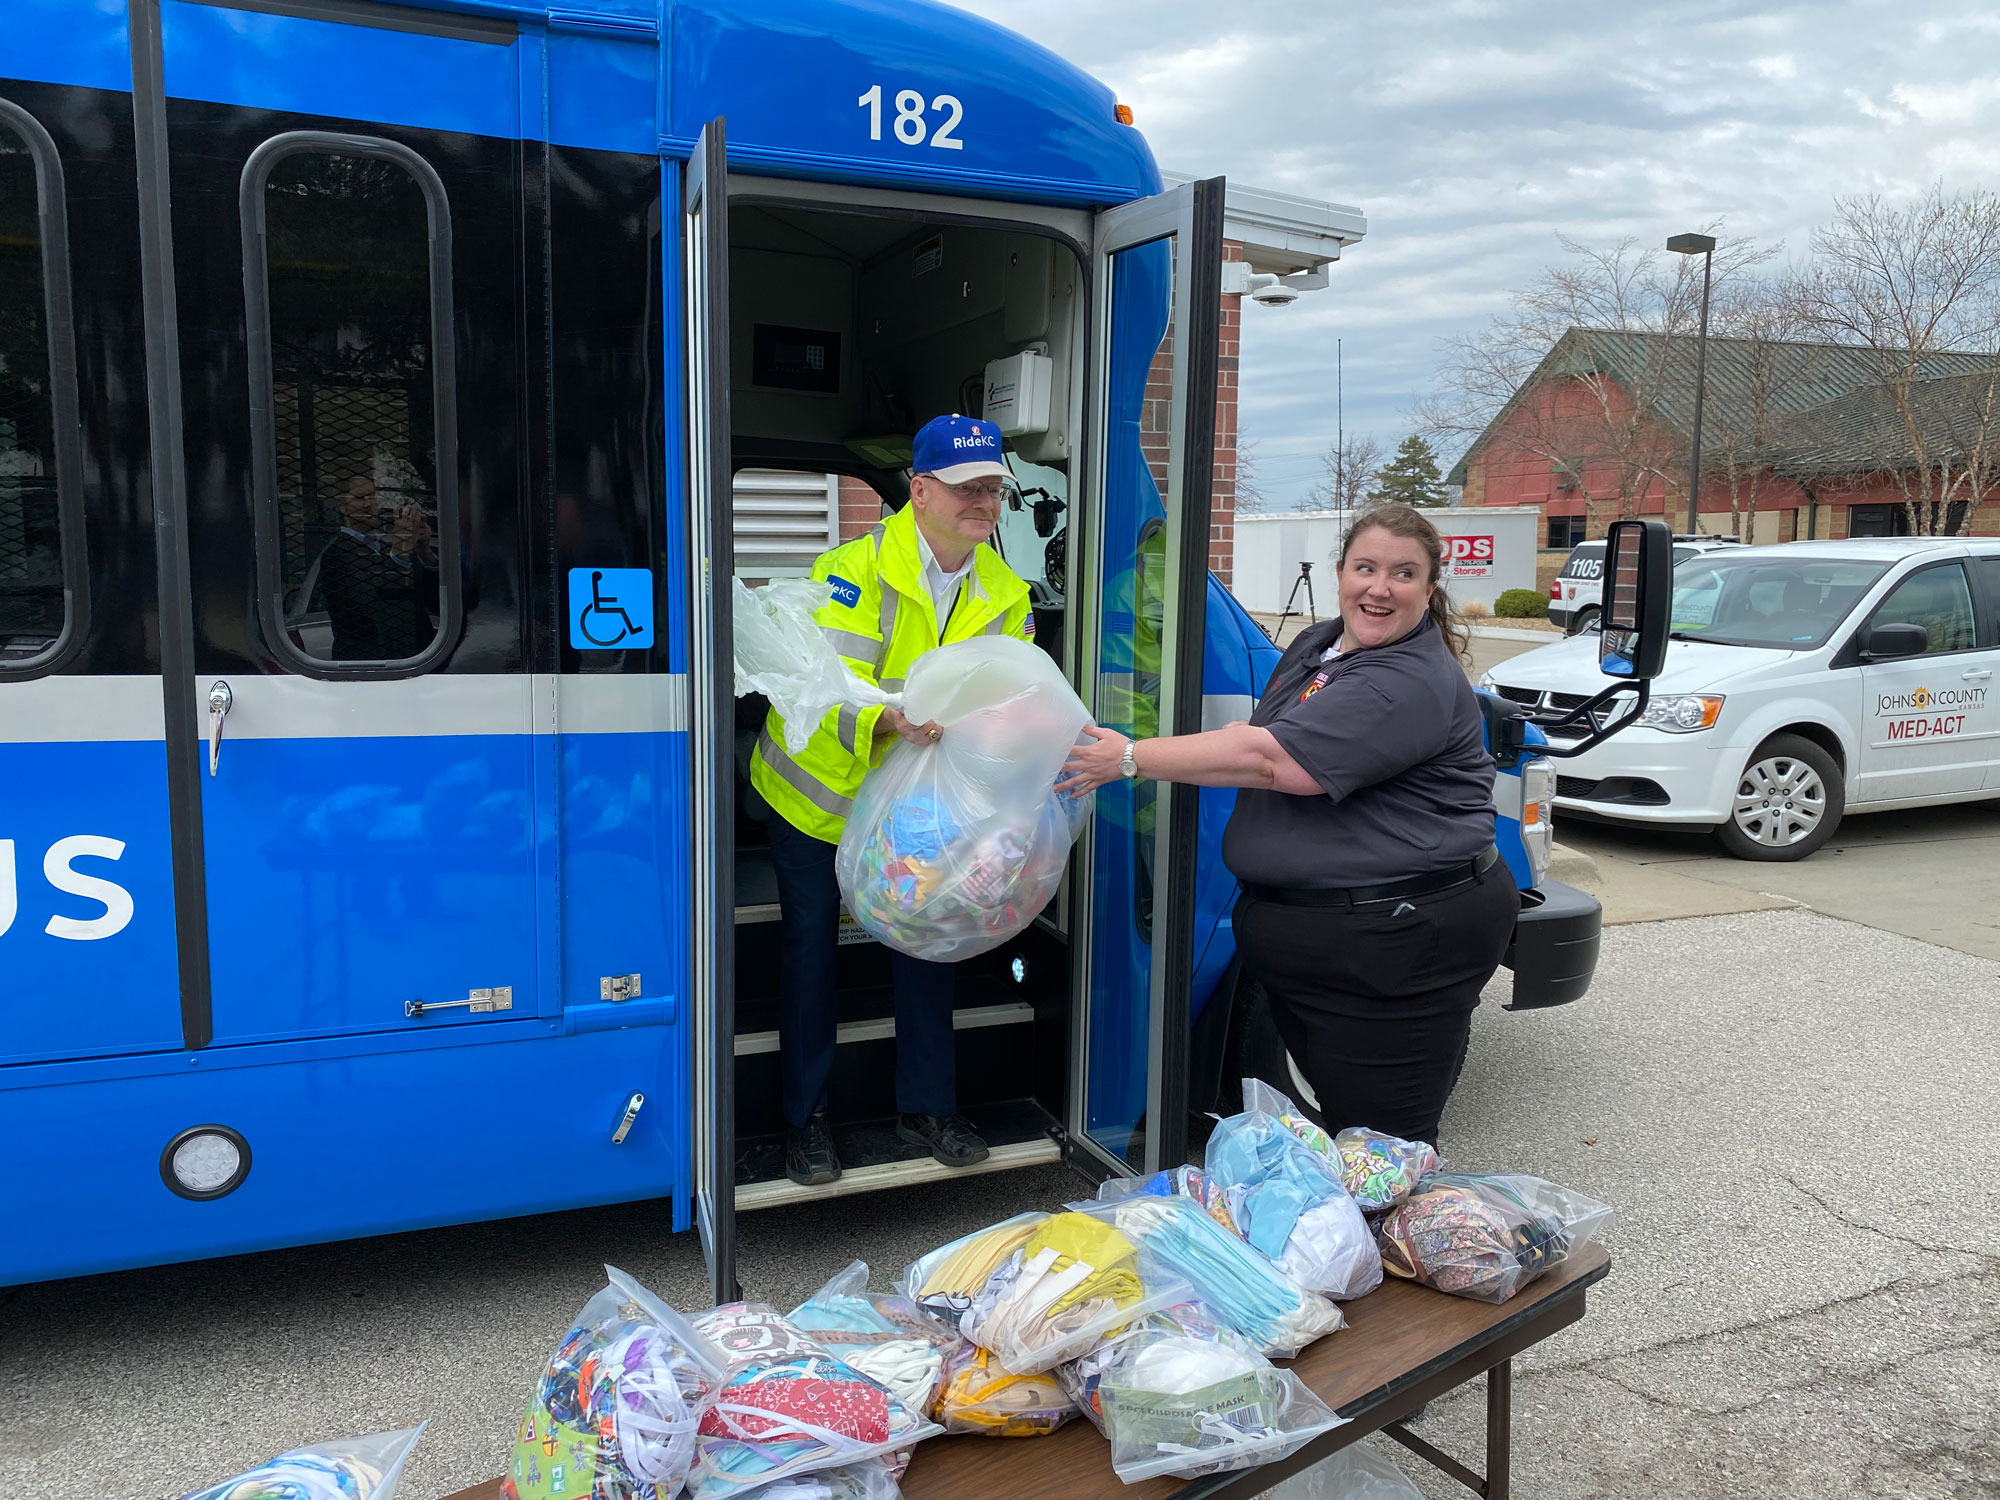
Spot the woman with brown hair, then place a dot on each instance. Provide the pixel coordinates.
(1374, 907)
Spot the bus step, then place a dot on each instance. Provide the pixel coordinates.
(881, 1028)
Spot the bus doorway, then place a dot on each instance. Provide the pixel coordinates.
(852, 318)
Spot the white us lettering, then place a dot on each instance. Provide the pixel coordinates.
(58, 870)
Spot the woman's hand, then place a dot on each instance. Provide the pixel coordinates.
(1091, 766)
(893, 721)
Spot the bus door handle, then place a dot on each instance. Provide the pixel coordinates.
(219, 701)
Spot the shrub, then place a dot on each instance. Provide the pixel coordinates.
(1521, 604)
(1474, 609)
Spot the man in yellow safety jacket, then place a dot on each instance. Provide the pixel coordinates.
(921, 579)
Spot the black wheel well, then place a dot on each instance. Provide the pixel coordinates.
(1819, 735)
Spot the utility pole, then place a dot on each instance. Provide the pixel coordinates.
(1339, 429)
(1704, 246)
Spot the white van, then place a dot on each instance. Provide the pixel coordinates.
(1802, 681)
(1578, 590)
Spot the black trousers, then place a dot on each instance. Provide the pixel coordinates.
(809, 932)
(1375, 1002)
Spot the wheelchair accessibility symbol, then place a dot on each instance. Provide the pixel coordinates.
(610, 609)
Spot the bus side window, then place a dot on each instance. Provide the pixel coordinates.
(43, 582)
(354, 458)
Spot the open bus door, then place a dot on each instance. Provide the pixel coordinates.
(711, 671)
(1139, 621)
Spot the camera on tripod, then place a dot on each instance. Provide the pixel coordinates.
(1303, 581)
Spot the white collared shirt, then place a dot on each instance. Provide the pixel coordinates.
(943, 586)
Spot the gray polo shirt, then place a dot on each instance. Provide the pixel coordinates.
(1394, 737)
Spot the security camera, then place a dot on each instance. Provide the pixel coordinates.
(1271, 291)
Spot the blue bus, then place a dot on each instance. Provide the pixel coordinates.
(375, 846)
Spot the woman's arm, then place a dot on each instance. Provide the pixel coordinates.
(1241, 755)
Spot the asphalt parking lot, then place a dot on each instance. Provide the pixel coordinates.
(1794, 1115)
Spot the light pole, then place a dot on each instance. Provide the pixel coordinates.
(1704, 246)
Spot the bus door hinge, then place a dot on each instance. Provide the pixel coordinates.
(618, 987)
(477, 1002)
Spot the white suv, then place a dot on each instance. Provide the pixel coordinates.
(1578, 590)
(1802, 681)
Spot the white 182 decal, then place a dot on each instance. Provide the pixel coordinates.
(57, 870)
(910, 125)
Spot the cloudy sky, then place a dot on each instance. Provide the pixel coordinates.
(1471, 134)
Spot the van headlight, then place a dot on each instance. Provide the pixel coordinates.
(1681, 713)
(1486, 683)
(1538, 811)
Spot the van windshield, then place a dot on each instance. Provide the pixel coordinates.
(1751, 598)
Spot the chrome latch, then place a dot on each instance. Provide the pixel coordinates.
(625, 1120)
(618, 987)
(478, 1002)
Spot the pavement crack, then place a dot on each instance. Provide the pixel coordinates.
(1843, 1217)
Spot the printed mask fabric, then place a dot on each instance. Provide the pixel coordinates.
(365, 1468)
(788, 1407)
(614, 1413)
(1487, 1235)
(884, 1335)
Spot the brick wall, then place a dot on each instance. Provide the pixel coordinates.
(860, 507)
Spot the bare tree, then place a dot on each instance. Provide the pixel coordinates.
(1774, 373)
(1549, 365)
(1911, 283)
(1250, 497)
(1348, 468)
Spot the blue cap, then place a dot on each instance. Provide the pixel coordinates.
(956, 449)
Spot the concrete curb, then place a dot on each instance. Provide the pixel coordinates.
(1571, 866)
(1502, 633)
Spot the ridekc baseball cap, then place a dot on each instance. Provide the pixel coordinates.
(956, 449)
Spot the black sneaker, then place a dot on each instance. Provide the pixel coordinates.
(949, 1138)
(810, 1159)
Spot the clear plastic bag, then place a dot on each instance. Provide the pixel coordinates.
(944, 1281)
(1186, 1403)
(982, 1396)
(781, 653)
(1379, 1171)
(788, 1407)
(1074, 1282)
(615, 1411)
(884, 1335)
(1241, 1287)
(1289, 1203)
(1082, 1376)
(874, 1479)
(1485, 1235)
(1354, 1473)
(954, 847)
(363, 1468)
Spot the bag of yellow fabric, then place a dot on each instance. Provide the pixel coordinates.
(981, 1395)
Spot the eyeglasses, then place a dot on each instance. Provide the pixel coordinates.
(978, 489)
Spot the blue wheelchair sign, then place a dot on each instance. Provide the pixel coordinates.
(610, 609)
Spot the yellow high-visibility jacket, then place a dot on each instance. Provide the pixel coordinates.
(879, 616)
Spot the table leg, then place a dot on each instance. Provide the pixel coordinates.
(1499, 1429)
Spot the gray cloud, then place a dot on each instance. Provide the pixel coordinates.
(1472, 133)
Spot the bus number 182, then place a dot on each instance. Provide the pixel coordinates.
(909, 124)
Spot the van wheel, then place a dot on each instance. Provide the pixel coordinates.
(1788, 801)
(1581, 621)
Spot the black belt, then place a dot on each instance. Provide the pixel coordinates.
(1463, 873)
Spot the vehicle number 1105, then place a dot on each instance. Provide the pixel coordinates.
(910, 123)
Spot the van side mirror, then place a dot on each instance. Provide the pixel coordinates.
(1638, 598)
(1888, 642)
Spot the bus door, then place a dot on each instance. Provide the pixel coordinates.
(704, 277)
(350, 348)
(1156, 292)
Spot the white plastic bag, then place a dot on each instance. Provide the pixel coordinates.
(363, 1468)
(781, 653)
(954, 847)
(1190, 1403)
(1356, 1473)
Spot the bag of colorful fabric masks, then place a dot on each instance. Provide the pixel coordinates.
(1378, 1170)
(1237, 1283)
(364, 1468)
(1486, 1235)
(1075, 1281)
(789, 1407)
(884, 1335)
(614, 1413)
(953, 847)
(982, 1396)
(1186, 1402)
(1288, 1202)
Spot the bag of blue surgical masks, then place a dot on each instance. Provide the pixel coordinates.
(1288, 1202)
(363, 1468)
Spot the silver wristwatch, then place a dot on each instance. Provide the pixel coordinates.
(1128, 767)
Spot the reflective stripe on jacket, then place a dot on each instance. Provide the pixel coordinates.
(880, 617)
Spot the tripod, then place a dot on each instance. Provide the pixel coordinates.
(1304, 581)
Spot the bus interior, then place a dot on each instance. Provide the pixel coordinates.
(849, 330)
